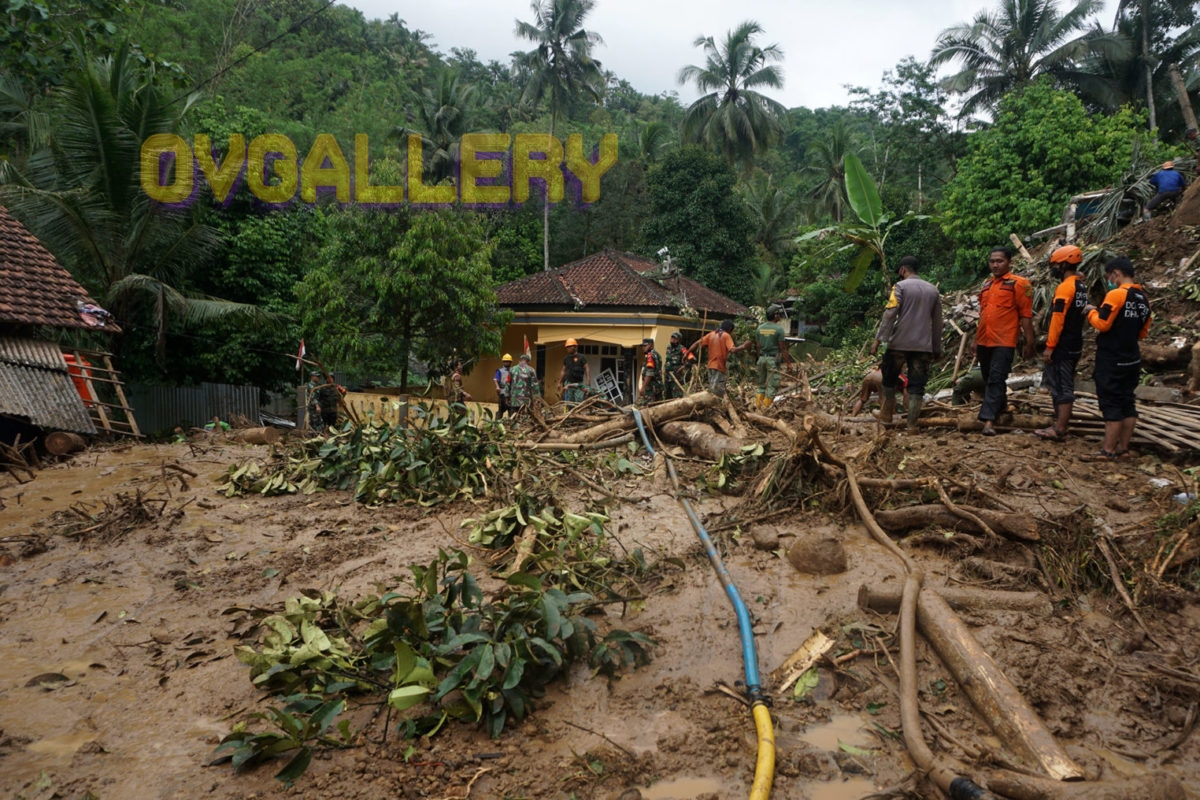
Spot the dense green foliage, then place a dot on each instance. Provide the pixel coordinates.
(1019, 174)
(696, 214)
(391, 285)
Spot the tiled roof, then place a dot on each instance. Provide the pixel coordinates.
(612, 279)
(34, 288)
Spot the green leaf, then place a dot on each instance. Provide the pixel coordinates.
(296, 767)
(854, 751)
(407, 697)
(806, 683)
(858, 268)
(860, 188)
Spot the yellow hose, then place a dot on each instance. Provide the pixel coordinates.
(764, 767)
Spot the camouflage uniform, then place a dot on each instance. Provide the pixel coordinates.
(523, 386)
(652, 365)
(675, 377)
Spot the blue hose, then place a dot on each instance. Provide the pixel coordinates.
(745, 625)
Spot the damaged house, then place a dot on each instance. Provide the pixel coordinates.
(47, 388)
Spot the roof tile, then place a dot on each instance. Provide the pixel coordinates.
(34, 288)
(611, 278)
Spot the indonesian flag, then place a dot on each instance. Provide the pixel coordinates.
(300, 355)
(527, 347)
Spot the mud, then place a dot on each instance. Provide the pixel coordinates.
(143, 682)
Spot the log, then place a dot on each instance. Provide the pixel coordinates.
(1162, 355)
(1154, 786)
(887, 600)
(62, 443)
(672, 409)
(1013, 525)
(255, 435)
(701, 439)
(968, 423)
(1194, 370)
(992, 694)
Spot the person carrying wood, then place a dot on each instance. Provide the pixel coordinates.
(1005, 313)
(1122, 320)
(720, 345)
(676, 366)
(772, 352)
(1064, 339)
(911, 328)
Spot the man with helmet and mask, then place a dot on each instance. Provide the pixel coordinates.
(1064, 339)
(575, 376)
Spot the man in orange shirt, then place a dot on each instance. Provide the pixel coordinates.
(1121, 321)
(1005, 310)
(720, 345)
(1064, 339)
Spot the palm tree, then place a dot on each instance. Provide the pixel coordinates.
(80, 194)
(560, 67)
(443, 115)
(773, 211)
(653, 140)
(1006, 49)
(828, 164)
(1149, 26)
(733, 118)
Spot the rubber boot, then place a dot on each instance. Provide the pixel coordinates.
(914, 410)
(767, 400)
(888, 407)
(758, 401)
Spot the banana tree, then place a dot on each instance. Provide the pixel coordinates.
(866, 237)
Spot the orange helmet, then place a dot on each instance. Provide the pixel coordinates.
(572, 343)
(1067, 254)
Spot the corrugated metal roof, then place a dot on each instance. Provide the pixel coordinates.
(42, 397)
(32, 353)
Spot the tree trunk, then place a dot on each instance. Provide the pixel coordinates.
(1146, 61)
(992, 694)
(701, 439)
(672, 409)
(1013, 525)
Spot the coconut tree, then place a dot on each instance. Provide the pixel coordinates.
(559, 68)
(80, 193)
(1162, 33)
(443, 116)
(732, 116)
(1007, 48)
(827, 162)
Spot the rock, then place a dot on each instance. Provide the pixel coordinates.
(1157, 394)
(766, 537)
(818, 556)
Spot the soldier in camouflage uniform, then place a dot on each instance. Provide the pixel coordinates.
(652, 373)
(523, 386)
(674, 365)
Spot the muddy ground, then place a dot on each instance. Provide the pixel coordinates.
(119, 677)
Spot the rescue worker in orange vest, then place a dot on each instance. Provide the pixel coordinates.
(1005, 313)
(1064, 339)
